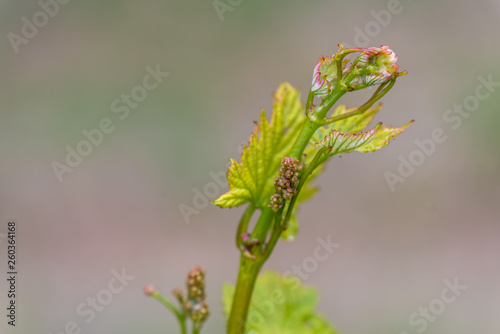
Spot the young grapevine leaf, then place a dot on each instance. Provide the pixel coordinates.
(339, 142)
(382, 138)
(251, 180)
(370, 141)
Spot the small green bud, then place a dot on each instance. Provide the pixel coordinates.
(149, 289)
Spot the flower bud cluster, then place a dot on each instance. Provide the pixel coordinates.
(286, 184)
(194, 304)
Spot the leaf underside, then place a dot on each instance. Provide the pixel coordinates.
(345, 136)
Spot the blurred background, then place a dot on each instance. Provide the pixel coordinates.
(132, 202)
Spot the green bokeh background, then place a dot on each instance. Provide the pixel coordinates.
(120, 207)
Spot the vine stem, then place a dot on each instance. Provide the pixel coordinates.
(243, 225)
(270, 224)
(181, 317)
(247, 276)
(250, 267)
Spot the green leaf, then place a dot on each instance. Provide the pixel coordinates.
(293, 227)
(370, 141)
(252, 179)
(382, 138)
(281, 305)
(338, 142)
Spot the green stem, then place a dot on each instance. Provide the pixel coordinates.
(247, 276)
(250, 268)
(300, 144)
(263, 224)
(310, 99)
(242, 227)
(273, 239)
(379, 93)
(180, 315)
(313, 122)
(312, 166)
